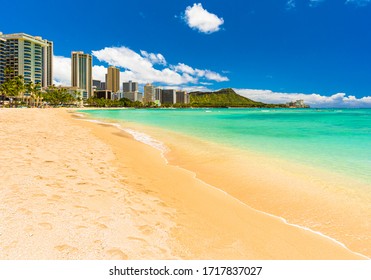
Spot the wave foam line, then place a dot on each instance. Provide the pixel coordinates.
(139, 136)
(194, 174)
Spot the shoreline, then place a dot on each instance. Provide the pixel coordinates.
(91, 191)
(194, 174)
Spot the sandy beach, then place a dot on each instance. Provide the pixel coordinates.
(72, 189)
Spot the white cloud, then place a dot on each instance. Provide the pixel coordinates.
(184, 68)
(190, 88)
(359, 3)
(140, 67)
(61, 70)
(200, 19)
(338, 100)
(137, 67)
(99, 73)
(154, 58)
(291, 4)
(213, 76)
(210, 75)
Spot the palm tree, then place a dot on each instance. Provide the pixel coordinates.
(13, 86)
(8, 73)
(3, 91)
(38, 93)
(6, 87)
(19, 86)
(78, 99)
(35, 92)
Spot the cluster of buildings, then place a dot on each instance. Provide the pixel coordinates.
(110, 89)
(32, 58)
(297, 104)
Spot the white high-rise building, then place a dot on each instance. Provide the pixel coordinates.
(2, 58)
(27, 56)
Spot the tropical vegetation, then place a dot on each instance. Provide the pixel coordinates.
(102, 102)
(19, 93)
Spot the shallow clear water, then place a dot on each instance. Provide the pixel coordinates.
(338, 140)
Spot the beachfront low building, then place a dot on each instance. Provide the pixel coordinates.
(106, 94)
(133, 96)
(297, 104)
(130, 91)
(97, 85)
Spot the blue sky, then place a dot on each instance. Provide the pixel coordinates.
(268, 50)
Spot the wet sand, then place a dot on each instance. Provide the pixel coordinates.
(72, 189)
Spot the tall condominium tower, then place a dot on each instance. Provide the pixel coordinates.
(2, 58)
(130, 87)
(28, 56)
(182, 97)
(48, 64)
(113, 79)
(81, 74)
(158, 94)
(149, 93)
(168, 96)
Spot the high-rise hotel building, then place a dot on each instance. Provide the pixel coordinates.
(81, 74)
(113, 79)
(149, 93)
(27, 56)
(2, 59)
(130, 86)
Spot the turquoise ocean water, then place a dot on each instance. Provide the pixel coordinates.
(337, 140)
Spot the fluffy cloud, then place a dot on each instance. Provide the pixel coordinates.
(359, 3)
(338, 100)
(99, 72)
(210, 75)
(189, 88)
(140, 67)
(154, 58)
(200, 19)
(61, 70)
